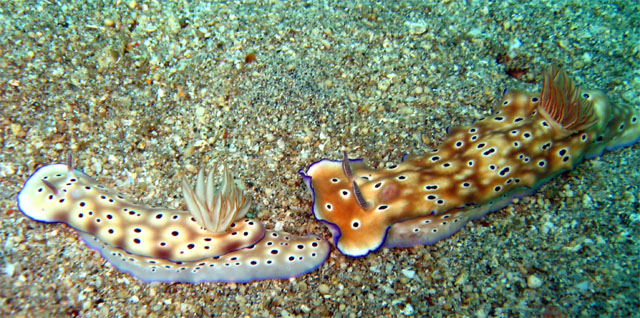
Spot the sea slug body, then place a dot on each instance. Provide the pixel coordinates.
(476, 170)
(213, 242)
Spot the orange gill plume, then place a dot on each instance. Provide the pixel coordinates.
(562, 105)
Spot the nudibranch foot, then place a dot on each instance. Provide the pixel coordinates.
(427, 230)
(278, 256)
(477, 169)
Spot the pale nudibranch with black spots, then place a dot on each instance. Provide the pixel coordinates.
(212, 242)
(477, 169)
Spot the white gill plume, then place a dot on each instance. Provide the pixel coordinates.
(215, 210)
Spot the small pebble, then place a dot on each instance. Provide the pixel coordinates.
(409, 273)
(305, 308)
(302, 287)
(109, 23)
(547, 227)
(269, 137)
(10, 269)
(582, 287)
(416, 27)
(324, 289)
(408, 310)
(200, 111)
(383, 85)
(325, 44)
(534, 282)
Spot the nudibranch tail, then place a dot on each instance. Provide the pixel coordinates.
(624, 127)
(167, 245)
(477, 169)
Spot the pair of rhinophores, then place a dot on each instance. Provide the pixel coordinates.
(475, 170)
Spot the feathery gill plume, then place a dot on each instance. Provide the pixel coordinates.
(215, 210)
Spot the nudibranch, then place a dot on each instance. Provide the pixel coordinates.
(475, 170)
(212, 242)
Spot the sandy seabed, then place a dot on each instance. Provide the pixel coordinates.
(143, 93)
